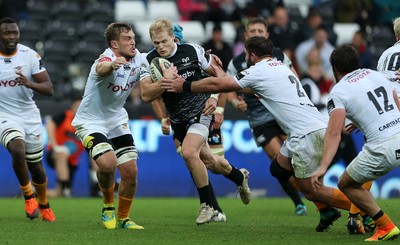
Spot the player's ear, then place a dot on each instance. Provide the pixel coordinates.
(114, 44)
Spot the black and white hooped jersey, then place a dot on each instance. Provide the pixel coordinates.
(367, 98)
(279, 90)
(15, 99)
(190, 61)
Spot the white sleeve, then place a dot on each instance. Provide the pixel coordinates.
(36, 62)
(204, 58)
(334, 102)
(144, 67)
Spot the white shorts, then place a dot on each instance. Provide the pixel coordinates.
(375, 160)
(305, 152)
(31, 131)
(84, 130)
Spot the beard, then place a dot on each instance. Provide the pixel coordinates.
(249, 63)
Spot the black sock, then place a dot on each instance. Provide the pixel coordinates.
(65, 184)
(236, 176)
(204, 195)
(214, 201)
(291, 192)
(378, 215)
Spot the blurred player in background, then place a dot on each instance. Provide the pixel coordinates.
(389, 61)
(64, 148)
(101, 122)
(21, 73)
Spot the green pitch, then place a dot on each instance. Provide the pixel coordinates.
(172, 221)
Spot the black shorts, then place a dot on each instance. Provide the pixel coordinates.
(215, 137)
(264, 133)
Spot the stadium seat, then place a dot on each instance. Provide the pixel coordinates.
(193, 32)
(31, 31)
(382, 36)
(99, 12)
(228, 30)
(167, 9)
(67, 11)
(345, 32)
(61, 31)
(39, 11)
(130, 11)
(87, 52)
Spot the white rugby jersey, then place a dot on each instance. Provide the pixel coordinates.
(281, 92)
(367, 97)
(16, 100)
(389, 63)
(104, 97)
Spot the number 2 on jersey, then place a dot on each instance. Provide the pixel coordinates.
(379, 92)
(294, 80)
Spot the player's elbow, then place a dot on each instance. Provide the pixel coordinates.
(146, 98)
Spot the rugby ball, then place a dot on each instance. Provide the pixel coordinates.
(156, 73)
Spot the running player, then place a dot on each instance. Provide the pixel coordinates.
(370, 101)
(21, 73)
(101, 122)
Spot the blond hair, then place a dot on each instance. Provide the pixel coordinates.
(160, 25)
(396, 26)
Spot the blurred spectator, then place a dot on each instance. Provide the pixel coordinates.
(225, 10)
(317, 87)
(315, 74)
(193, 10)
(360, 43)
(218, 46)
(385, 11)
(284, 33)
(320, 41)
(264, 8)
(313, 22)
(350, 11)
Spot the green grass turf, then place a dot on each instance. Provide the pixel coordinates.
(172, 221)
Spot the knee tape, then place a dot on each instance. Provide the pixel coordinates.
(278, 172)
(125, 154)
(34, 155)
(218, 151)
(9, 135)
(99, 149)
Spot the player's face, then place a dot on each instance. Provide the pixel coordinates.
(257, 29)
(126, 44)
(9, 37)
(163, 43)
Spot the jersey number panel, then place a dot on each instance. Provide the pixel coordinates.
(294, 80)
(377, 93)
(393, 64)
